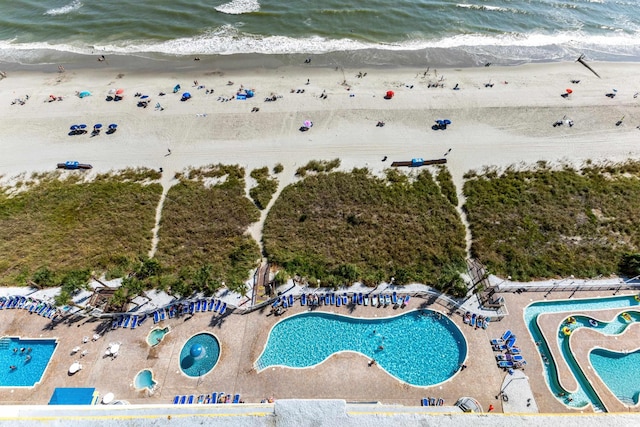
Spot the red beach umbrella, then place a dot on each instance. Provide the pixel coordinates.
(119, 91)
(569, 91)
(389, 94)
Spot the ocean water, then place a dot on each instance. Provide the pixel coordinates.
(454, 32)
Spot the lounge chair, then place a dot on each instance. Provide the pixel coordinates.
(394, 298)
(210, 305)
(333, 299)
(142, 319)
(290, 300)
(440, 401)
(201, 398)
(497, 342)
(156, 317)
(327, 299)
(134, 322)
(125, 322)
(387, 300)
(473, 320)
(432, 401)
(163, 314)
(345, 299)
(499, 347)
(172, 311)
(197, 306)
(190, 399)
(338, 302)
(303, 299)
(374, 300)
(236, 398)
(183, 400)
(511, 341)
(214, 398)
(425, 402)
(354, 299)
(507, 334)
(505, 364)
(217, 305)
(503, 357)
(360, 299)
(203, 306)
(366, 299)
(176, 399)
(223, 308)
(514, 350)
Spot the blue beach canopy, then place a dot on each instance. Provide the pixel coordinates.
(97, 126)
(84, 93)
(186, 95)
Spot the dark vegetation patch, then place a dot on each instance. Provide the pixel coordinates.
(339, 228)
(265, 187)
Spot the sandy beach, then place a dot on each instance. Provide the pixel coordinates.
(507, 123)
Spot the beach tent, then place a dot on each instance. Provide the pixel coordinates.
(84, 93)
(250, 93)
(186, 96)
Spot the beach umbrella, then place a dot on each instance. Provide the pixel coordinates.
(119, 91)
(74, 127)
(186, 95)
(84, 93)
(97, 126)
(307, 123)
(569, 90)
(389, 94)
(113, 126)
(144, 97)
(446, 121)
(83, 126)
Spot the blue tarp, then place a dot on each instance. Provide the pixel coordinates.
(72, 396)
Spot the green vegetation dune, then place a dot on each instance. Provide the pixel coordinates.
(343, 227)
(543, 223)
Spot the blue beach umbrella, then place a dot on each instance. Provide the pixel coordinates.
(74, 127)
(83, 126)
(84, 93)
(113, 126)
(97, 126)
(144, 97)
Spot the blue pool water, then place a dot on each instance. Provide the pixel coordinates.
(585, 394)
(144, 379)
(420, 347)
(29, 365)
(156, 336)
(199, 354)
(609, 365)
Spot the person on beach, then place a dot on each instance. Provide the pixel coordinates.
(102, 58)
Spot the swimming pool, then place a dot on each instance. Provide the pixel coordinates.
(610, 364)
(420, 347)
(585, 394)
(29, 364)
(199, 354)
(144, 379)
(156, 336)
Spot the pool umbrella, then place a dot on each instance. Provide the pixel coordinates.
(569, 90)
(119, 91)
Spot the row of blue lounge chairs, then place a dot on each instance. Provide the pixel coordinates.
(378, 300)
(129, 321)
(212, 398)
(191, 307)
(432, 401)
(32, 305)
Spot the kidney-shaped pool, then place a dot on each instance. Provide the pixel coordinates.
(421, 347)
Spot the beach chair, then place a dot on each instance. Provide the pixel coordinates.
(217, 305)
(303, 299)
(156, 317)
(223, 308)
(497, 341)
(183, 400)
(163, 314)
(142, 319)
(203, 307)
(114, 324)
(345, 299)
(507, 334)
(394, 298)
(210, 305)
(214, 398)
(505, 364)
(387, 299)
(291, 300)
(511, 341)
(425, 402)
(176, 400)
(125, 323)
(405, 302)
(338, 302)
(360, 299)
(134, 322)
(190, 399)
(236, 398)
(327, 299)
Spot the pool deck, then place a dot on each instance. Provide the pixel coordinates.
(242, 337)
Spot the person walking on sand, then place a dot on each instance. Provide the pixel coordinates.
(168, 152)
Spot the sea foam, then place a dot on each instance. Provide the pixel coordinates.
(238, 7)
(74, 5)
